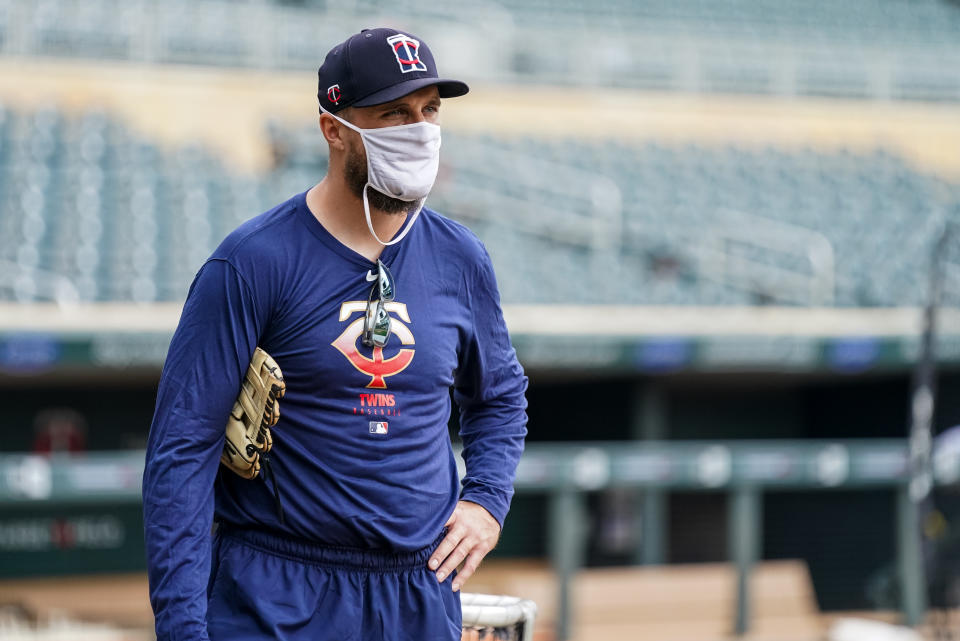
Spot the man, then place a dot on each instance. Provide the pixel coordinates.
(372, 319)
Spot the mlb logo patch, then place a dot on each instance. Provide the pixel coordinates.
(378, 427)
(407, 51)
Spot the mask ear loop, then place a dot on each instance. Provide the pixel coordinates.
(403, 232)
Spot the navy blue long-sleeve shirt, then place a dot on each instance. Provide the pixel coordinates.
(361, 452)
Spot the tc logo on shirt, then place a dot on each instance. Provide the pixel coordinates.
(375, 366)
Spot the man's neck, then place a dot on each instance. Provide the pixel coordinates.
(341, 213)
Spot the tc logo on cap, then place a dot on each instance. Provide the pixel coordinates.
(333, 94)
(406, 49)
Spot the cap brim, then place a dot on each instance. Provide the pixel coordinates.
(447, 89)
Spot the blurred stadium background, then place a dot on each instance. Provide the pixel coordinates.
(715, 226)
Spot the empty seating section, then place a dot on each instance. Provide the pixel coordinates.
(690, 213)
(122, 220)
(884, 49)
(860, 20)
(82, 23)
(91, 210)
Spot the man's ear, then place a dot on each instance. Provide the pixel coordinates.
(332, 131)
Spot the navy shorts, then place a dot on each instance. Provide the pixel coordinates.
(266, 587)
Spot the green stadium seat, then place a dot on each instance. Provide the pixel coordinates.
(126, 221)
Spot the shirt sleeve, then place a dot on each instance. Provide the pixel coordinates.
(490, 389)
(209, 353)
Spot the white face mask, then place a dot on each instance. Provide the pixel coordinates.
(402, 162)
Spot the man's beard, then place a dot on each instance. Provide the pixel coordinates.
(355, 171)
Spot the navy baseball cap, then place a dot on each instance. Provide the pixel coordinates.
(376, 66)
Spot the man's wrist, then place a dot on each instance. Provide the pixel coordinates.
(486, 498)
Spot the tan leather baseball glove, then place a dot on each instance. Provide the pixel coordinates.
(257, 409)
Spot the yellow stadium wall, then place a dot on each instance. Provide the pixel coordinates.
(225, 109)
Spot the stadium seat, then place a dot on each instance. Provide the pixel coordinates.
(859, 48)
(566, 221)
